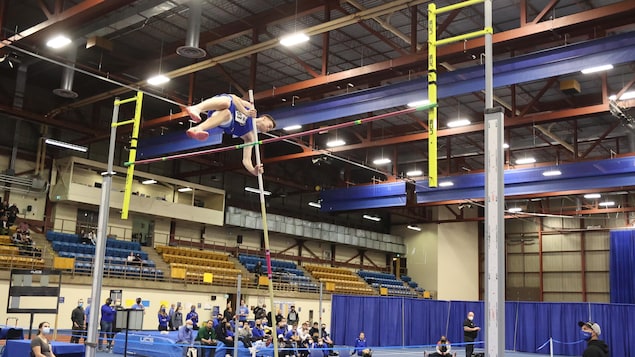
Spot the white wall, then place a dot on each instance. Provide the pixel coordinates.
(421, 254)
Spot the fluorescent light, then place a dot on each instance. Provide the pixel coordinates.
(458, 122)
(414, 228)
(335, 143)
(601, 68)
(66, 145)
(515, 210)
(505, 146)
(315, 204)
(148, 182)
(185, 189)
(414, 173)
(525, 160)
(625, 96)
(552, 173)
(446, 184)
(158, 80)
(607, 203)
(591, 196)
(419, 103)
(255, 190)
(294, 39)
(372, 218)
(292, 127)
(58, 41)
(381, 161)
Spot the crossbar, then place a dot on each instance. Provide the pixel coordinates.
(281, 138)
(124, 101)
(457, 6)
(463, 37)
(125, 122)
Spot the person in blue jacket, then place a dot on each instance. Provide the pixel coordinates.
(361, 346)
(107, 320)
(235, 116)
(164, 319)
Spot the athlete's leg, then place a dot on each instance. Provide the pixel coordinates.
(218, 117)
(214, 103)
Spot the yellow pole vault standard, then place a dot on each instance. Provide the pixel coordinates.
(433, 43)
(132, 156)
(432, 95)
(265, 228)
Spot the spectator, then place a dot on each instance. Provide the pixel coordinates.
(107, 318)
(293, 317)
(87, 316)
(12, 214)
(93, 237)
(315, 331)
(131, 258)
(258, 271)
(443, 348)
(83, 236)
(361, 346)
(317, 348)
(207, 338)
(186, 336)
(590, 332)
(279, 316)
(258, 332)
(177, 318)
(243, 311)
(244, 334)
(227, 335)
(170, 316)
(263, 344)
(327, 340)
(260, 312)
(40, 345)
(139, 305)
(470, 332)
(78, 318)
(164, 318)
(193, 315)
(228, 314)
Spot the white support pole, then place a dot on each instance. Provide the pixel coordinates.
(236, 310)
(100, 246)
(551, 346)
(320, 307)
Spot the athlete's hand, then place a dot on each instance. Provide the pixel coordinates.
(258, 169)
(252, 113)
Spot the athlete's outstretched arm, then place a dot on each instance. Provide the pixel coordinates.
(247, 151)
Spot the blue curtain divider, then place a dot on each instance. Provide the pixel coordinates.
(389, 321)
(622, 266)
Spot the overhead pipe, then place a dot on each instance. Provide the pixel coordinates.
(191, 49)
(68, 75)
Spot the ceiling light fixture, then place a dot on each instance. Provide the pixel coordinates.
(382, 161)
(590, 196)
(607, 203)
(525, 160)
(625, 96)
(255, 190)
(294, 39)
(446, 184)
(148, 182)
(505, 146)
(414, 173)
(66, 145)
(335, 143)
(158, 80)
(414, 228)
(515, 210)
(58, 41)
(185, 189)
(292, 127)
(315, 204)
(372, 218)
(552, 173)
(601, 68)
(419, 103)
(459, 122)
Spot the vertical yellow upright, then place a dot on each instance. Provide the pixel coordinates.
(432, 95)
(134, 139)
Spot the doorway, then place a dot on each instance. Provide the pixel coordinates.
(143, 230)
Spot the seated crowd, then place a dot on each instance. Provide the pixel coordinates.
(22, 239)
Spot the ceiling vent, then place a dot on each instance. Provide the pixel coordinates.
(191, 49)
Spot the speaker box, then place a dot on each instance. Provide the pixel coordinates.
(239, 239)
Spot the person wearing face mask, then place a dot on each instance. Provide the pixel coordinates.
(78, 317)
(107, 318)
(470, 332)
(138, 305)
(186, 336)
(163, 318)
(40, 345)
(177, 318)
(590, 332)
(443, 348)
(258, 332)
(193, 315)
(207, 338)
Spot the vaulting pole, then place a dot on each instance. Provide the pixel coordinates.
(265, 229)
(281, 138)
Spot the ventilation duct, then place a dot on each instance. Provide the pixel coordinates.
(23, 184)
(68, 74)
(191, 49)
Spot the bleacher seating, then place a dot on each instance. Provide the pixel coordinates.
(196, 262)
(384, 280)
(116, 263)
(283, 271)
(344, 281)
(12, 256)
